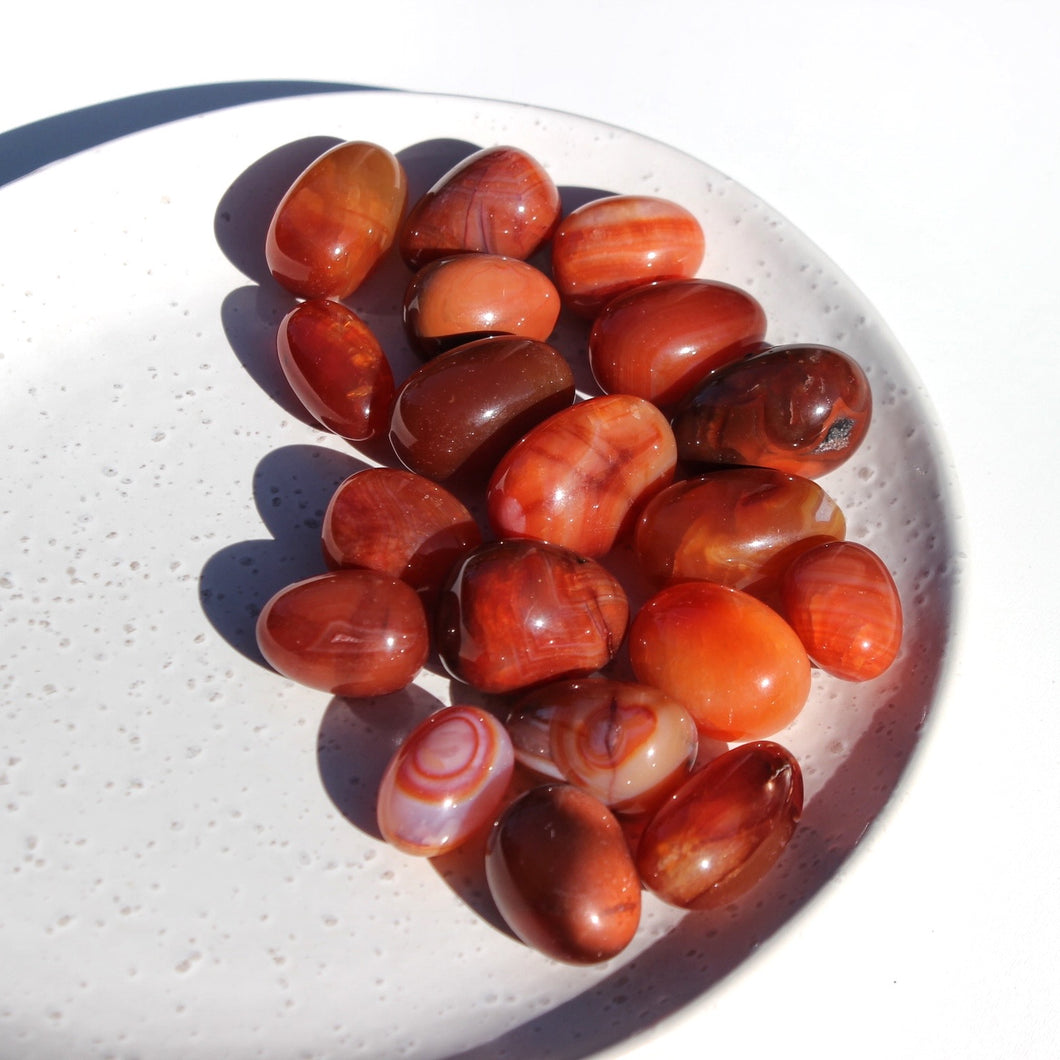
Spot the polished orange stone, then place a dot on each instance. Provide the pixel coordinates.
(741, 527)
(841, 600)
(351, 633)
(720, 833)
(519, 613)
(337, 368)
(398, 523)
(452, 301)
(731, 660)
(579, 478)
(336, 221)
(562, 877)
(500, 200)
(659, 341)
(612, 244)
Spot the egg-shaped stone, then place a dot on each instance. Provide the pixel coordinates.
(561, 875)
(612, 244)
(336, 221)
(453, 301)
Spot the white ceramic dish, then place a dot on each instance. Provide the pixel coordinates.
(190, 865)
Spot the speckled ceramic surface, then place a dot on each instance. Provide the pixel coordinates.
(189, 862)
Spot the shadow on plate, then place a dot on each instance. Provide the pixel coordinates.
(29, 147)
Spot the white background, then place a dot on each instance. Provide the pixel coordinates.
(917, 144)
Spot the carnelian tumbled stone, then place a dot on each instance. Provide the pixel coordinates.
(499, 200)
(660, 340)
(739, 526)
(579, 478)
(841, 600)
(336, 221)
(562, 877)
(733, 662)
(803, 409)
(720, 833)
(456, 415)
(337, 368)
(629, 745)
(350, 633)
(519, 613)
(453, 301)
(404, 525)
(445, 782)
(612, 244)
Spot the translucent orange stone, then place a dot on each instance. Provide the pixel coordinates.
(741, 527)
(841, 600)
(452, 301)
(562, 877)
(579, 478)
(659, 341)
(499, 200)
(337, 368)
(733, 662)
(336, 221)
(612, 244)
(350, 633)
(720, 833)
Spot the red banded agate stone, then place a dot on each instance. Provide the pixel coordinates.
(337, 221)
(841, 600)
(720, 833)
(578, 479)
(520, 613)
(500, 200)
(561, 874)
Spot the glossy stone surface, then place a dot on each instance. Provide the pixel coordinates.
(719, 834)
(399, 523)
(841, 600)
(740, 527)
(612, 244)
(499, 200)
(658, 342)
(803, 409)
(456, 415)
(350, 633)
(562, 877)
(627, 744)
(453, 301)
(445, 782)
(519, 613)
(336, 221)
(579, 478)
(733, 662)
(337, 368)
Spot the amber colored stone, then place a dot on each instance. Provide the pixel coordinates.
(803, 409)
(519, 613)
(629, 745)
(841, 600)
(499, 200)
(719, 834)
(453, 301)
(445, 782)
(456, 415)
(562, 877)
(579, 478)
(740, 527)
(659, 341)
(612, 244)
(732, 661)
(350, 633)
(399, 523)
(337, 368)
(337, 221)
